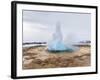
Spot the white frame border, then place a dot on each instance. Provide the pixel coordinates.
(51, 71)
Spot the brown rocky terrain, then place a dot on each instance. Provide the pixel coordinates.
(39, 57)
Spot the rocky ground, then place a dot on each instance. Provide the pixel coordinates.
(39, 57)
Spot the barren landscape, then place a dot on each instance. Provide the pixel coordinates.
(39, 57)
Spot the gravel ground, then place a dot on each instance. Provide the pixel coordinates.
(38, 57)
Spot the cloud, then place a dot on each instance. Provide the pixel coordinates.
(35, 32)
(39, 25)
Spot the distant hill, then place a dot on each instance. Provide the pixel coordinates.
(87, 41)
(34, 43)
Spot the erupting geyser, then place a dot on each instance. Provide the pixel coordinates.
(56, 44)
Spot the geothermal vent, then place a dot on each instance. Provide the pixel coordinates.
(56, 44)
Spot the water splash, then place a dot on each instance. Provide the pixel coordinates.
(56, 44)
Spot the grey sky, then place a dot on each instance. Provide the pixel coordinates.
(40, 25)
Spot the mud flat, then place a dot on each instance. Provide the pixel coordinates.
(38, 57)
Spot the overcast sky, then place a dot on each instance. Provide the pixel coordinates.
(40, 25)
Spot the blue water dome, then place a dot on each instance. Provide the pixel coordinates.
(56, 44)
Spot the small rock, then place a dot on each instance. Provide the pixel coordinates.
(27, 61)
(38, 61)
